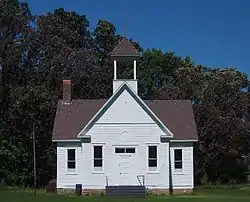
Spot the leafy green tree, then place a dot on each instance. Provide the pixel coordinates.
(157, 70)
(105, 39)
(14, 26)
(219, 106)
(15, 21)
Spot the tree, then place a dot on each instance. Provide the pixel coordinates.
(105, 39)
(157, 70)
(60, 44)
(14, 26)
(28, 106)
(219, 106)
(15, 21)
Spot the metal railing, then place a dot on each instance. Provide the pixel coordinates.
(143, 179)
(107, 184)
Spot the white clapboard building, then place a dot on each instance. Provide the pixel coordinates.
(124, 140)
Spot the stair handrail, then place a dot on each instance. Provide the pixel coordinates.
(143, 179)
(107, 184)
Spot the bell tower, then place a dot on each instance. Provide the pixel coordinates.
(124, 51)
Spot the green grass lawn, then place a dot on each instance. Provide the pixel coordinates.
(201, 195)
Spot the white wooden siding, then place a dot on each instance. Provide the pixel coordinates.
(65, 179)
(124, 124)
(136, 135)
(125, 110)
(184, 178)
(119, 82)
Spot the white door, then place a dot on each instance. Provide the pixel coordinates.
(125, 169)
(127, 166)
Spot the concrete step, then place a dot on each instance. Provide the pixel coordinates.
(126, 191)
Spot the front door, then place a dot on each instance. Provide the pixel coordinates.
(127, 165)
(125, 169)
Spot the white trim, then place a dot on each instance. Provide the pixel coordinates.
(125, 149)
(68, 140)
(178, 171)
(170, 134)
(127, 123)
(87, 136)
(67, 169)
(157, 159)
(115, 70)
(125, 145)
(183, 140)
(153, 172)
(92, 158)
(153, 144)
(71, 173)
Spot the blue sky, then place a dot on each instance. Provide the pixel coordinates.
(215, 33)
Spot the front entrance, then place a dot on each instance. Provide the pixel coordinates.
(127, 167)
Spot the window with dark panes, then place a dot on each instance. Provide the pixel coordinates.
(97, 156)
(152, 156)
(71, 159)
(119, 150)
(130, 150)
(178, 158)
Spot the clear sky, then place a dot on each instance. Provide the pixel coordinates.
(215, 33)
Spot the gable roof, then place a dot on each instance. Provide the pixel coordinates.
(113, 98)
(124, 49)
(177, 115)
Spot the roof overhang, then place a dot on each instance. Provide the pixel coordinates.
(67, 140)
(173, 140)
(124, 57)
(72, 140)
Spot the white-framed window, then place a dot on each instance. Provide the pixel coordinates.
(178, 162)
(152, 158)
(122, 150)
(71, 160)
(98, 158)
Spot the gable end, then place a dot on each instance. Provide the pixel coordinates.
(113, 99)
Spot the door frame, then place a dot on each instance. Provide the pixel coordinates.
(133, 157)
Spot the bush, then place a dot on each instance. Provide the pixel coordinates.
(51, 186)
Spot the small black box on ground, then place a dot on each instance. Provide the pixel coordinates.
(78, 190)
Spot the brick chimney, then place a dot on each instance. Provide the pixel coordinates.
(66, 91)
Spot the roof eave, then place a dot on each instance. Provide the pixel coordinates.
(125, 57)
(184, 140)
(66, 140)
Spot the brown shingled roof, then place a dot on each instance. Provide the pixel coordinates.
(177, 115)
(124, 49)
(71, 119)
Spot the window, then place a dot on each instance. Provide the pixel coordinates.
(119, 150)
(152, 156)
(130, 150)
(178, 158)
(71, 164)
(98, 157)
